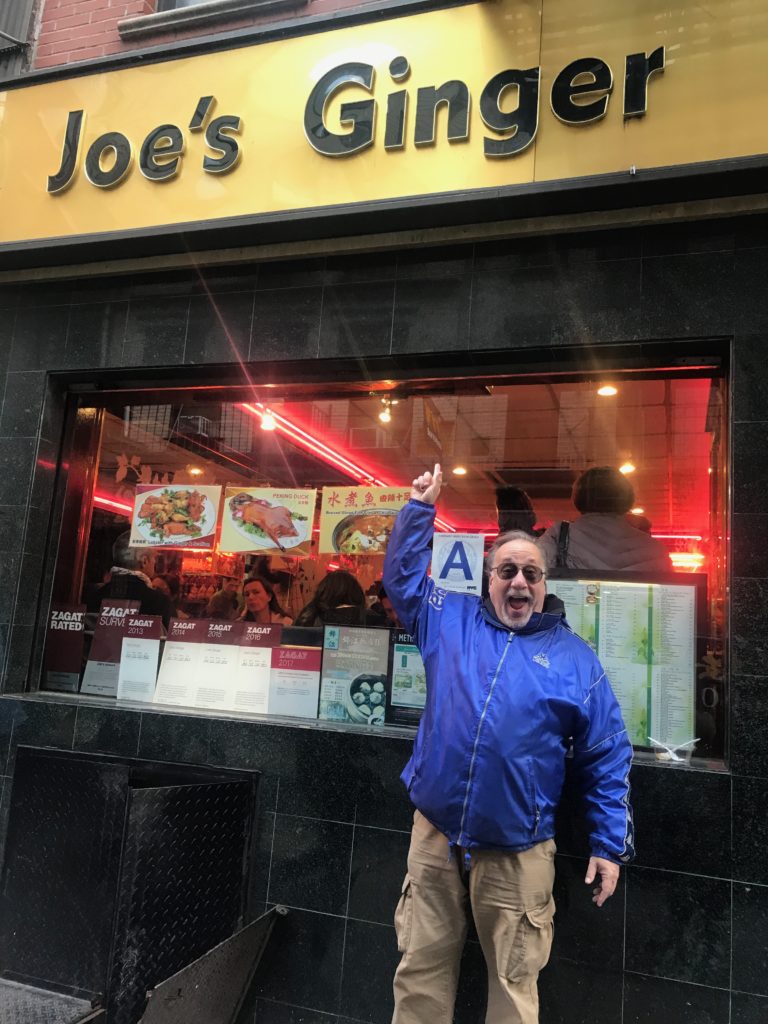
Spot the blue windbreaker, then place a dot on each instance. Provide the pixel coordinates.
(503, 708)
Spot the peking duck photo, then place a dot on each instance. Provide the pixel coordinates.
(271, 524)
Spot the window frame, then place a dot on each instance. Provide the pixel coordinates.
(341, 378)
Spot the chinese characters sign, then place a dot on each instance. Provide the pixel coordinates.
(359, 520)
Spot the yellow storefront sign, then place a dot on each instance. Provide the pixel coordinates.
(482, 97)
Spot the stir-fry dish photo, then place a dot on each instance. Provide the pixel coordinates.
(173, 513)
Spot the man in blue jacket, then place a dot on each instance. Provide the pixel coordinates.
(510, 689)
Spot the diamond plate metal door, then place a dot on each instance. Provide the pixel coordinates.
(182, 885)
(61, 871)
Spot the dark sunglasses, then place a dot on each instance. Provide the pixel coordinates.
(508, 571)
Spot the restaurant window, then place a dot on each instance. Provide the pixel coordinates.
(288, 484)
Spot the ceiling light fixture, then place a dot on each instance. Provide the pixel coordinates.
(195, 471)
(460, 470)
(637, 511)
(268, 421)
(607, 391)
(386, 414)
(627, 467)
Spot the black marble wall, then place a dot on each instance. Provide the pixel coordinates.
(686, 937)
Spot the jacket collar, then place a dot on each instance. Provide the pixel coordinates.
(551, 615)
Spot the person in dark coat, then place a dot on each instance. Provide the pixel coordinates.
(130, 579)
(339, 601)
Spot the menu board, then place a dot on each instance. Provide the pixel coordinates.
(181, 515)
(644, 635)
(267, 520)
(358, 520)
(64, 647)
(177, 679)
(103, 666)
(408, 687)
(139, 657)
(295, 681)
(353, 687)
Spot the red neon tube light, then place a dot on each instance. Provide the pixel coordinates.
(111, 505)
(334, 456)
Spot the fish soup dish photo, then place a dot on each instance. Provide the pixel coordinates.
(364, 533)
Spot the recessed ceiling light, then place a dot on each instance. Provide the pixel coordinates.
(627, 467)
(459, 470)
(607, 391)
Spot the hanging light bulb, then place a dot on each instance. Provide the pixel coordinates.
(385, 415)
(267, 420)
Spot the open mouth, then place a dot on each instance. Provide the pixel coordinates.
(517, 604)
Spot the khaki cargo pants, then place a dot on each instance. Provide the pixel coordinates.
(510, 896)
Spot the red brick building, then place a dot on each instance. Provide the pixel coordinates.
(58, 32)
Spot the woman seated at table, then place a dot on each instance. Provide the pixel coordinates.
(261, 604)
(339, 601)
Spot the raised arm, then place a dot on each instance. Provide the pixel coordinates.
(409, 552)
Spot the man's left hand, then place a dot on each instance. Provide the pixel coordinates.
(608, 873)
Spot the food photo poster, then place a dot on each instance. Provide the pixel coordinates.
(175, 516)
(359, 520)
(268, 520)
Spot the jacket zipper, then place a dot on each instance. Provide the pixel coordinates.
(462, 839)
(534, 799)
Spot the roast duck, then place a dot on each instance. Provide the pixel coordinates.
(274, 520)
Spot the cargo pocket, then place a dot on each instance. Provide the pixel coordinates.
(530, 942)
(404, 916)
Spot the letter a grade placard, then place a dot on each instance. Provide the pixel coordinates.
(457, 562)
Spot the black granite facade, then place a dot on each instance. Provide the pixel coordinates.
(685, 938)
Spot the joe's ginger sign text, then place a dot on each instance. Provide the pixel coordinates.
(481, 97)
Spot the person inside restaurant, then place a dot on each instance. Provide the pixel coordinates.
(225, 603)
(600, 538)
(261, 604)
(130, 579)
(339, 601)
(514, 510)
